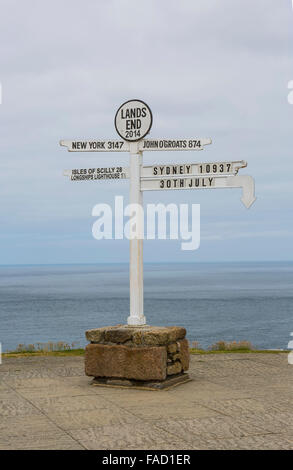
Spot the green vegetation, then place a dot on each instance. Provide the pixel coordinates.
(230, 347)
(50, 346)
(64, 349)
(239, 351)
(46, 349)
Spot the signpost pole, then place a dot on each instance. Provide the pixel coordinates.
(136, 316)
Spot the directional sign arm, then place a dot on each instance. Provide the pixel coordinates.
(97, 174)
(178, 170)
(195, 143)
(245, 182)
(241, 164)
(203, 182)
(95, 145)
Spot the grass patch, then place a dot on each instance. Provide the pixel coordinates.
(46, 349)
(224, 347)
(232, 346)
(71, 352)
(80, 352)
(65, 349)
(238, 351)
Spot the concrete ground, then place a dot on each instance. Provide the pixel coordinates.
(235, 401)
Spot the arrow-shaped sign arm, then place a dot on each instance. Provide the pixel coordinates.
(245, 182)
(241, 164)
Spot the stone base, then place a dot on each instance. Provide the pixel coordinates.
(170, 382)
(145, 354)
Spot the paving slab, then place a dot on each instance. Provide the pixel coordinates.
(136, 436)
(107, 416)
(214, 427)
(260, 442)
(25, 426)
(41, 441)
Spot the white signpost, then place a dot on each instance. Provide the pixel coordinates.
(133, 122)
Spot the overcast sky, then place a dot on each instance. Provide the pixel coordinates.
(206, 69)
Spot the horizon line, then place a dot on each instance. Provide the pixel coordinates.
(146, 262)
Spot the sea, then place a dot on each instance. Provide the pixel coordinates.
(213, 301)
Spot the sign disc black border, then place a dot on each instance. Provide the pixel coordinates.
(150, 126)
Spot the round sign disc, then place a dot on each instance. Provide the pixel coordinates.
(133, 120)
